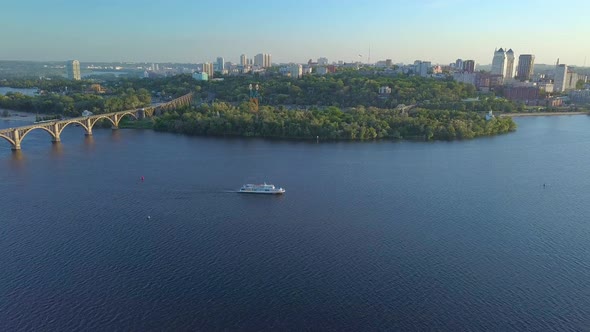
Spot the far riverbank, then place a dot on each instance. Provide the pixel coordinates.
(512, 115)
(19, 116)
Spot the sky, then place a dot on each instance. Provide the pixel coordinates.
(195, 31)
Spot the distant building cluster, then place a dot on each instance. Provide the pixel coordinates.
(503, 64)
(510, 76)
(519, 82)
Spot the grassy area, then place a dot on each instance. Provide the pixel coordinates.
(137, 124)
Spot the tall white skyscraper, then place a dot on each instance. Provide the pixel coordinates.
(73, 70)
(243, 60)
(296, 71)
(509, 73)
(267, 61)
(559, 79)
(499, 63)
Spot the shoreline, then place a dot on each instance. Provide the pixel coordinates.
(20, 116)
(514, 115)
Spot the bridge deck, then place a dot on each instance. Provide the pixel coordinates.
(16, 134)
(68, 120)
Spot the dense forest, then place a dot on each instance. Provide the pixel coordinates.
(344, 105)
(346, 89)
(73, 104)
(331, 123)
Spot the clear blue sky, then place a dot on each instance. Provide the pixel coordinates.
(293, 30)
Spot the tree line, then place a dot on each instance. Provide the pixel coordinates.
(331, 123)
(73, 104)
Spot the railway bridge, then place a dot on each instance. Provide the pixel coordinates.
(16, 135)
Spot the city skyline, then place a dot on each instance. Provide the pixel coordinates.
(182, 31)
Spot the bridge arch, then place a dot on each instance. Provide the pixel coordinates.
(10, 140)
(81, 123)
(101, 117)
(27, 131)
(122, 115)
(148, 111)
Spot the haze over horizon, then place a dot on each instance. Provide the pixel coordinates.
(184, 31)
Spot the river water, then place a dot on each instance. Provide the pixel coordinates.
(24, 91)
(369, 236)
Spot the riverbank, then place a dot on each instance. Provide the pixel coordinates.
(19, 116)
(512, 115)
(146, 123)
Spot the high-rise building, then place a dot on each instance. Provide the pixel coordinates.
(571, 79)
(263, 60)
(322, 61)
(469, 66)
(422, 68)
(559, 79)
(220, 65)
(267, 61)
(259, 60)
(526, 65)
(243, 60)
(296, 71)
(459, 64)
(73, 69)
(499, 63)
(208, 68)
(509, 64)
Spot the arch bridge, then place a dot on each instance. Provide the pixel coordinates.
(16, 135)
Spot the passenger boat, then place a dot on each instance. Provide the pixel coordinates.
(268, 189)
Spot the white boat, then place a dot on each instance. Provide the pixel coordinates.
(268, 189)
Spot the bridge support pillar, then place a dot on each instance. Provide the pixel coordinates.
(56, 133)
(114, 127)
(17, 139)
(88, 127)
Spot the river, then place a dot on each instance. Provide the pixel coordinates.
(25, 91)
(485, 234)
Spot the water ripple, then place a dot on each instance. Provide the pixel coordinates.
(378, 236)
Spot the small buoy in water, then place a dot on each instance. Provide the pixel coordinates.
(142, 178)
(148, 217)
(543, 185)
